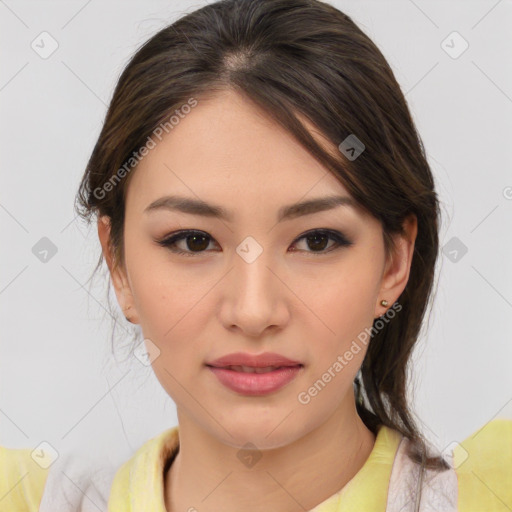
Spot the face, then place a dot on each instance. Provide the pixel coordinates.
(302, 285)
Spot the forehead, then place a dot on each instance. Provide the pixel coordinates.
(227, 147)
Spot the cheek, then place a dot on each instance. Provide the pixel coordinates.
(344, 298)
(172, 302)
(345, 304)
(168, 306)
(346, 309)
(171, 308)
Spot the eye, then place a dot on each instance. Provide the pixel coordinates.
(197, 241)
(318, 238)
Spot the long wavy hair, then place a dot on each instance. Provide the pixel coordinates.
(292, 57)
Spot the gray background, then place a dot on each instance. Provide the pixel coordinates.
(59, 381)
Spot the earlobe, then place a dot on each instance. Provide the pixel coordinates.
(117, 274)
(398, 266)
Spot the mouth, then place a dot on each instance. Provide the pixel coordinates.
(255, 380)
(253, 369)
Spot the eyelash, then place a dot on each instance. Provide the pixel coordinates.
(170, 241)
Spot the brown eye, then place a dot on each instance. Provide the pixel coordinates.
(195, 242)
(317, 241)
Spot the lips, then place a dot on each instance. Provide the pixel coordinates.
(256, 384)
(251, 369)
(255, 374)
(255, 363)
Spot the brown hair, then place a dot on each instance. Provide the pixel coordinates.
(293, 57)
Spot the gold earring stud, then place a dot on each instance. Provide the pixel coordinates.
(129, 318)
(384, 302)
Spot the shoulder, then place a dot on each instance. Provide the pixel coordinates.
(483, 463)
(31, 480)
(141, 477)
(22, 479)
(42, 480)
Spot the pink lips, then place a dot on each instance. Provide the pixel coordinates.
(252, 374)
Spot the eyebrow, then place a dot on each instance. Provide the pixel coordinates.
(199, 207)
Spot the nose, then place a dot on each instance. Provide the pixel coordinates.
(255, 299)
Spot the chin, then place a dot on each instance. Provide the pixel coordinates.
(265, 434)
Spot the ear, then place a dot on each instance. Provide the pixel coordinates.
(398, 265)
(117, 272)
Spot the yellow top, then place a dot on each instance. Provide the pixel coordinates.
(483, 465)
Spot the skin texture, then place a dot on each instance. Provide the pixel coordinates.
(308, 306)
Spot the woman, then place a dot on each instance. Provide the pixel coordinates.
(270, 221)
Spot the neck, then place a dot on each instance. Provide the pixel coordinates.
(207, 473)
